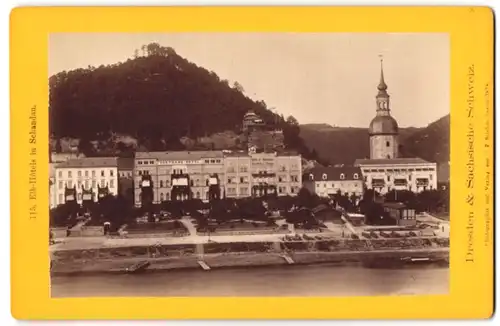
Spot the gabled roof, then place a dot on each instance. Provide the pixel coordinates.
(390, 161)
(320, 173)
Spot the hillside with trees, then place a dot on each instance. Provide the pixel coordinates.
(158, 98)
(340, 145)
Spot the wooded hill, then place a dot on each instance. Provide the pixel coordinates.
(157, 97)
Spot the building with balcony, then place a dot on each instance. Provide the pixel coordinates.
(54, 160)
(84, 177)
(384, 175)
(178, 175)
(209, 175)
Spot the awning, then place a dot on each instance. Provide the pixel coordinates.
(422, 182)
(400, 182)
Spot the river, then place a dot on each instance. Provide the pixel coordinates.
(312, 280)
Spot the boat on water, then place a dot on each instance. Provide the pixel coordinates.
(401, 262)
(138, 268)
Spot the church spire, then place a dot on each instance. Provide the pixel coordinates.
(382, 86)
(382, 96)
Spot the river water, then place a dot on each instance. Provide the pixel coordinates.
(312, 280)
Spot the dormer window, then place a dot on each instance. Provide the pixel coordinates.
(356, 176)
(324, 176)
(342, 176)
(311, 177)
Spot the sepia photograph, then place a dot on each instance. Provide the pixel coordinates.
(249, 164)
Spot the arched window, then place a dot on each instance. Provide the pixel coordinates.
(161, 197)
(161, 184)
(167, 196)
(356, 176)
(388, 156)
(198, 194)
(324, 176)
(311, 177)
(342, 176)
(387, 144)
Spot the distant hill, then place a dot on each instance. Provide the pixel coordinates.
(431, 143)
(343, 145)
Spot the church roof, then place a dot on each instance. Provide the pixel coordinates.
(382, 86)
(391, 161)
(383, 125)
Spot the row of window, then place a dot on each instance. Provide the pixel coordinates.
(86, 183)
(86, 173)
(232, 169)
(166, 183)
(152, 162)
(398, 170)
(332, 185)
(409, 178)
(244, 191)
(232, 191)
(78, 196)
(325, 176)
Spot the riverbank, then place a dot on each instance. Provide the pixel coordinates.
(118, 265)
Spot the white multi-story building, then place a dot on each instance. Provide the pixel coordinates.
(89, 173)
(55, 159)
(329, 181)
(413, 174)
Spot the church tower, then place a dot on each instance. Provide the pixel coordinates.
(383, 129)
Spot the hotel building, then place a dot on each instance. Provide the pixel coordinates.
(207, 175)
(86, 179)
(328, 181)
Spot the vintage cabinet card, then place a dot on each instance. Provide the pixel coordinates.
(252, 162)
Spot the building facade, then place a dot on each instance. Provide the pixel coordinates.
(207, 175)
(384, 175)
(328, 181)
(54, 160)
(181, 175)
(84, 177)
(385, 171)
(262, 174)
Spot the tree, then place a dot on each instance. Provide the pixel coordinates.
(237, 86)
(307, 199)
(86, 147)
(292, 121)
(58, 148)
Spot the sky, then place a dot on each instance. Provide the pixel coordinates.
(316, 77)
